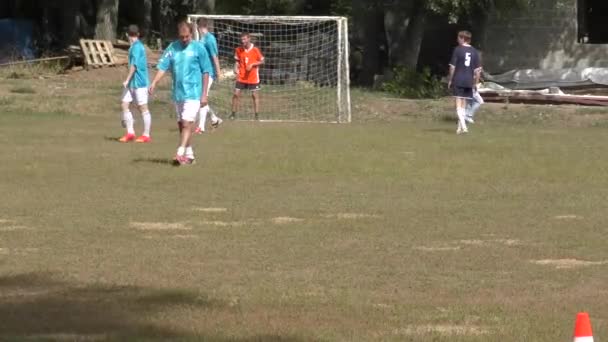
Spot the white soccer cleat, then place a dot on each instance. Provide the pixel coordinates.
(217, 123)
(470, 120)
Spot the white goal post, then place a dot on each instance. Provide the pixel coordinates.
(305, 76)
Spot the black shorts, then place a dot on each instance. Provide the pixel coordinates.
(248, 86)
(462, 92)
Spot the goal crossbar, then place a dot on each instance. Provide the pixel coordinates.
(265, 17)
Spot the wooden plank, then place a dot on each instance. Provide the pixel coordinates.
(110, 48)
(35, 60)
(101, 52)
(94, 53)
(546, 99)
(86, 53)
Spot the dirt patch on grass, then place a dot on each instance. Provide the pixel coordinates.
(474, 242)
(438, 248)
(286, 220)
(13, 228)
(443, 330)
(568, 217)
(211, 210)
(351, 216)
(509, 242)
(568, 263)
(160, 226)
(185, 236)
(229, 223)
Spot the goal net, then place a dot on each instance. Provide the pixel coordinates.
(305, 76)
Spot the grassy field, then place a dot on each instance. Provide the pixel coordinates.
(391, 228)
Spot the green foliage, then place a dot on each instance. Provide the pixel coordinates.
(412, 84)
(455, 9)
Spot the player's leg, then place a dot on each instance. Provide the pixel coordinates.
(255, 96)
(461, 112)
(141, 94)
(215, 120)
(475, 103)
(127, 116)
(468, 109)
(204, 111)
(191, 109)
(236, 98)
(181, 151)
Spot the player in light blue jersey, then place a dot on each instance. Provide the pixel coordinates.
(208, 40)
(136, 89)
(190, 67)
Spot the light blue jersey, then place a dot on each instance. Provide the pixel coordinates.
(137, 58)
(188, 64)
(210, 44)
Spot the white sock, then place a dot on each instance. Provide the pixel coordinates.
(147, 122)
(128, 119)
(214, 117)
(189, 152)
(181, 150)
(462, 118)
(203, 117)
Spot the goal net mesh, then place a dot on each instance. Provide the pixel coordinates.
(305, 72)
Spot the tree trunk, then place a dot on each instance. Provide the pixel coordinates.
(70, 20)
(204, 6)
(396, 22)
(107, 20)
(365, 41)
(413, 42)
(146, 20)
(404, 23)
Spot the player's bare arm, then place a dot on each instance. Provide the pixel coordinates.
(216, 64)
(477, 76)
(205, 95)
(451, 75)
(159, 75)
(132, 70)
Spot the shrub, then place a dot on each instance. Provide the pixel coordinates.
(412, 84)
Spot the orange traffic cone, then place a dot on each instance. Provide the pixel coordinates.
(582, 328)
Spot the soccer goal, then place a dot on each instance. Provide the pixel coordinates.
(305, 76)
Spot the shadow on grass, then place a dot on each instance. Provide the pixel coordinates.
(441, 130)
(115, 139)
(39, 308)
(160, 161)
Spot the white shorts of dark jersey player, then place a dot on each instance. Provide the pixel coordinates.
(462, 92)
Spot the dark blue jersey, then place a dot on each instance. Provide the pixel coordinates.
(466, 62)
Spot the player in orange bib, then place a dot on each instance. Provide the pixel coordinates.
(248, 59)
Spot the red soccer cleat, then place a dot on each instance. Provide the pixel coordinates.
(143, 139)
(127, 138)
(199, 130)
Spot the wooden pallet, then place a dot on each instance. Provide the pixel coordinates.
(97, 53)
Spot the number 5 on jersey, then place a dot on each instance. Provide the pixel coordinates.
(467, 59)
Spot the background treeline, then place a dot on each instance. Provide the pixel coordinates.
(385, 35)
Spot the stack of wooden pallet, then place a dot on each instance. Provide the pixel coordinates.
(97, 53)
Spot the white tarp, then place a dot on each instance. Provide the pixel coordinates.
(542, 79)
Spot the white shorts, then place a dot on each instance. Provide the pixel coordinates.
(187, 110)
(139, 94)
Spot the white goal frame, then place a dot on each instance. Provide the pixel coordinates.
(343, 100)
